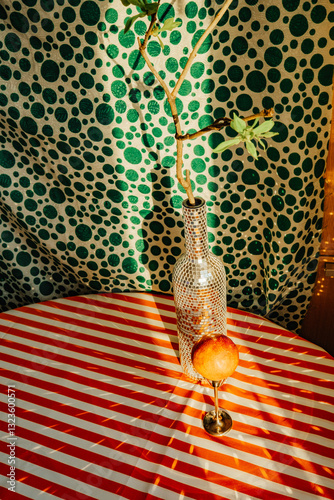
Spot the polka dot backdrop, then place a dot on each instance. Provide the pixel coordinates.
(89, 200)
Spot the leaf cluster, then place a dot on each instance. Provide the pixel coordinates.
(168, 25)
(147, 9)
(248, 134)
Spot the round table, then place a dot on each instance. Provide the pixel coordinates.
(95, 406)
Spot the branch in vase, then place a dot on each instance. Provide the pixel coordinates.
(171, 97)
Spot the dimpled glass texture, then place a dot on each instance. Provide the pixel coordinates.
(199, 286)
(89, 201)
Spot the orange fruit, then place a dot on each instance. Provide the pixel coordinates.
(215, 357)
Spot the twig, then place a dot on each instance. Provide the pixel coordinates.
(149, 31)
(215, 126)
(223, 122)
(192, 56)
(154, 71)
(266, 113)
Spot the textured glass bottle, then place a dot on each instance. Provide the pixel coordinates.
(199, 286)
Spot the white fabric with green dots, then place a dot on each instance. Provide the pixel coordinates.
(89, 200)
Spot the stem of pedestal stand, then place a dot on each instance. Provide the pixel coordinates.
(216, 384)
(217, 422)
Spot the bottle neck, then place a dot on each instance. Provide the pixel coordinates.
(195, 229)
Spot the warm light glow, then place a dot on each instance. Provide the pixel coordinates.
(264, 473)
(99, 442)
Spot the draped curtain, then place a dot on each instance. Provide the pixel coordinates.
(89, 199)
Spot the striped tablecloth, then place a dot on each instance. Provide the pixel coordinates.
(102, 410)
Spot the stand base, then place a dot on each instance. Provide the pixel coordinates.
(217, 427)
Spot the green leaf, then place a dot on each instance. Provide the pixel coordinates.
(238, 124)
(147, 8)
(151, 8)
(269, 134)
(131, 20)
(226, 144)
(126, 3)
(128, 24)
(251, 149)
(170, 24)
(264, 127)
(256, 121)
(161, 43)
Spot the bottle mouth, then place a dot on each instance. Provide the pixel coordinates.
(199, 202)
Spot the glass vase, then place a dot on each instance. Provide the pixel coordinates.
(199, 287)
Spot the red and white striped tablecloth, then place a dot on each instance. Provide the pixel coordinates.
(102, 409)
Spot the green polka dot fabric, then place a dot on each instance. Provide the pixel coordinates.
(89, 199)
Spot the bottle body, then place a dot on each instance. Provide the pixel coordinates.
(199, 287)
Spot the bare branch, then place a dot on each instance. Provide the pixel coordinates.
(152, 68)
(223, 122)
(149, 31)
(215, 126)
(266, 113)
(192, 56)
